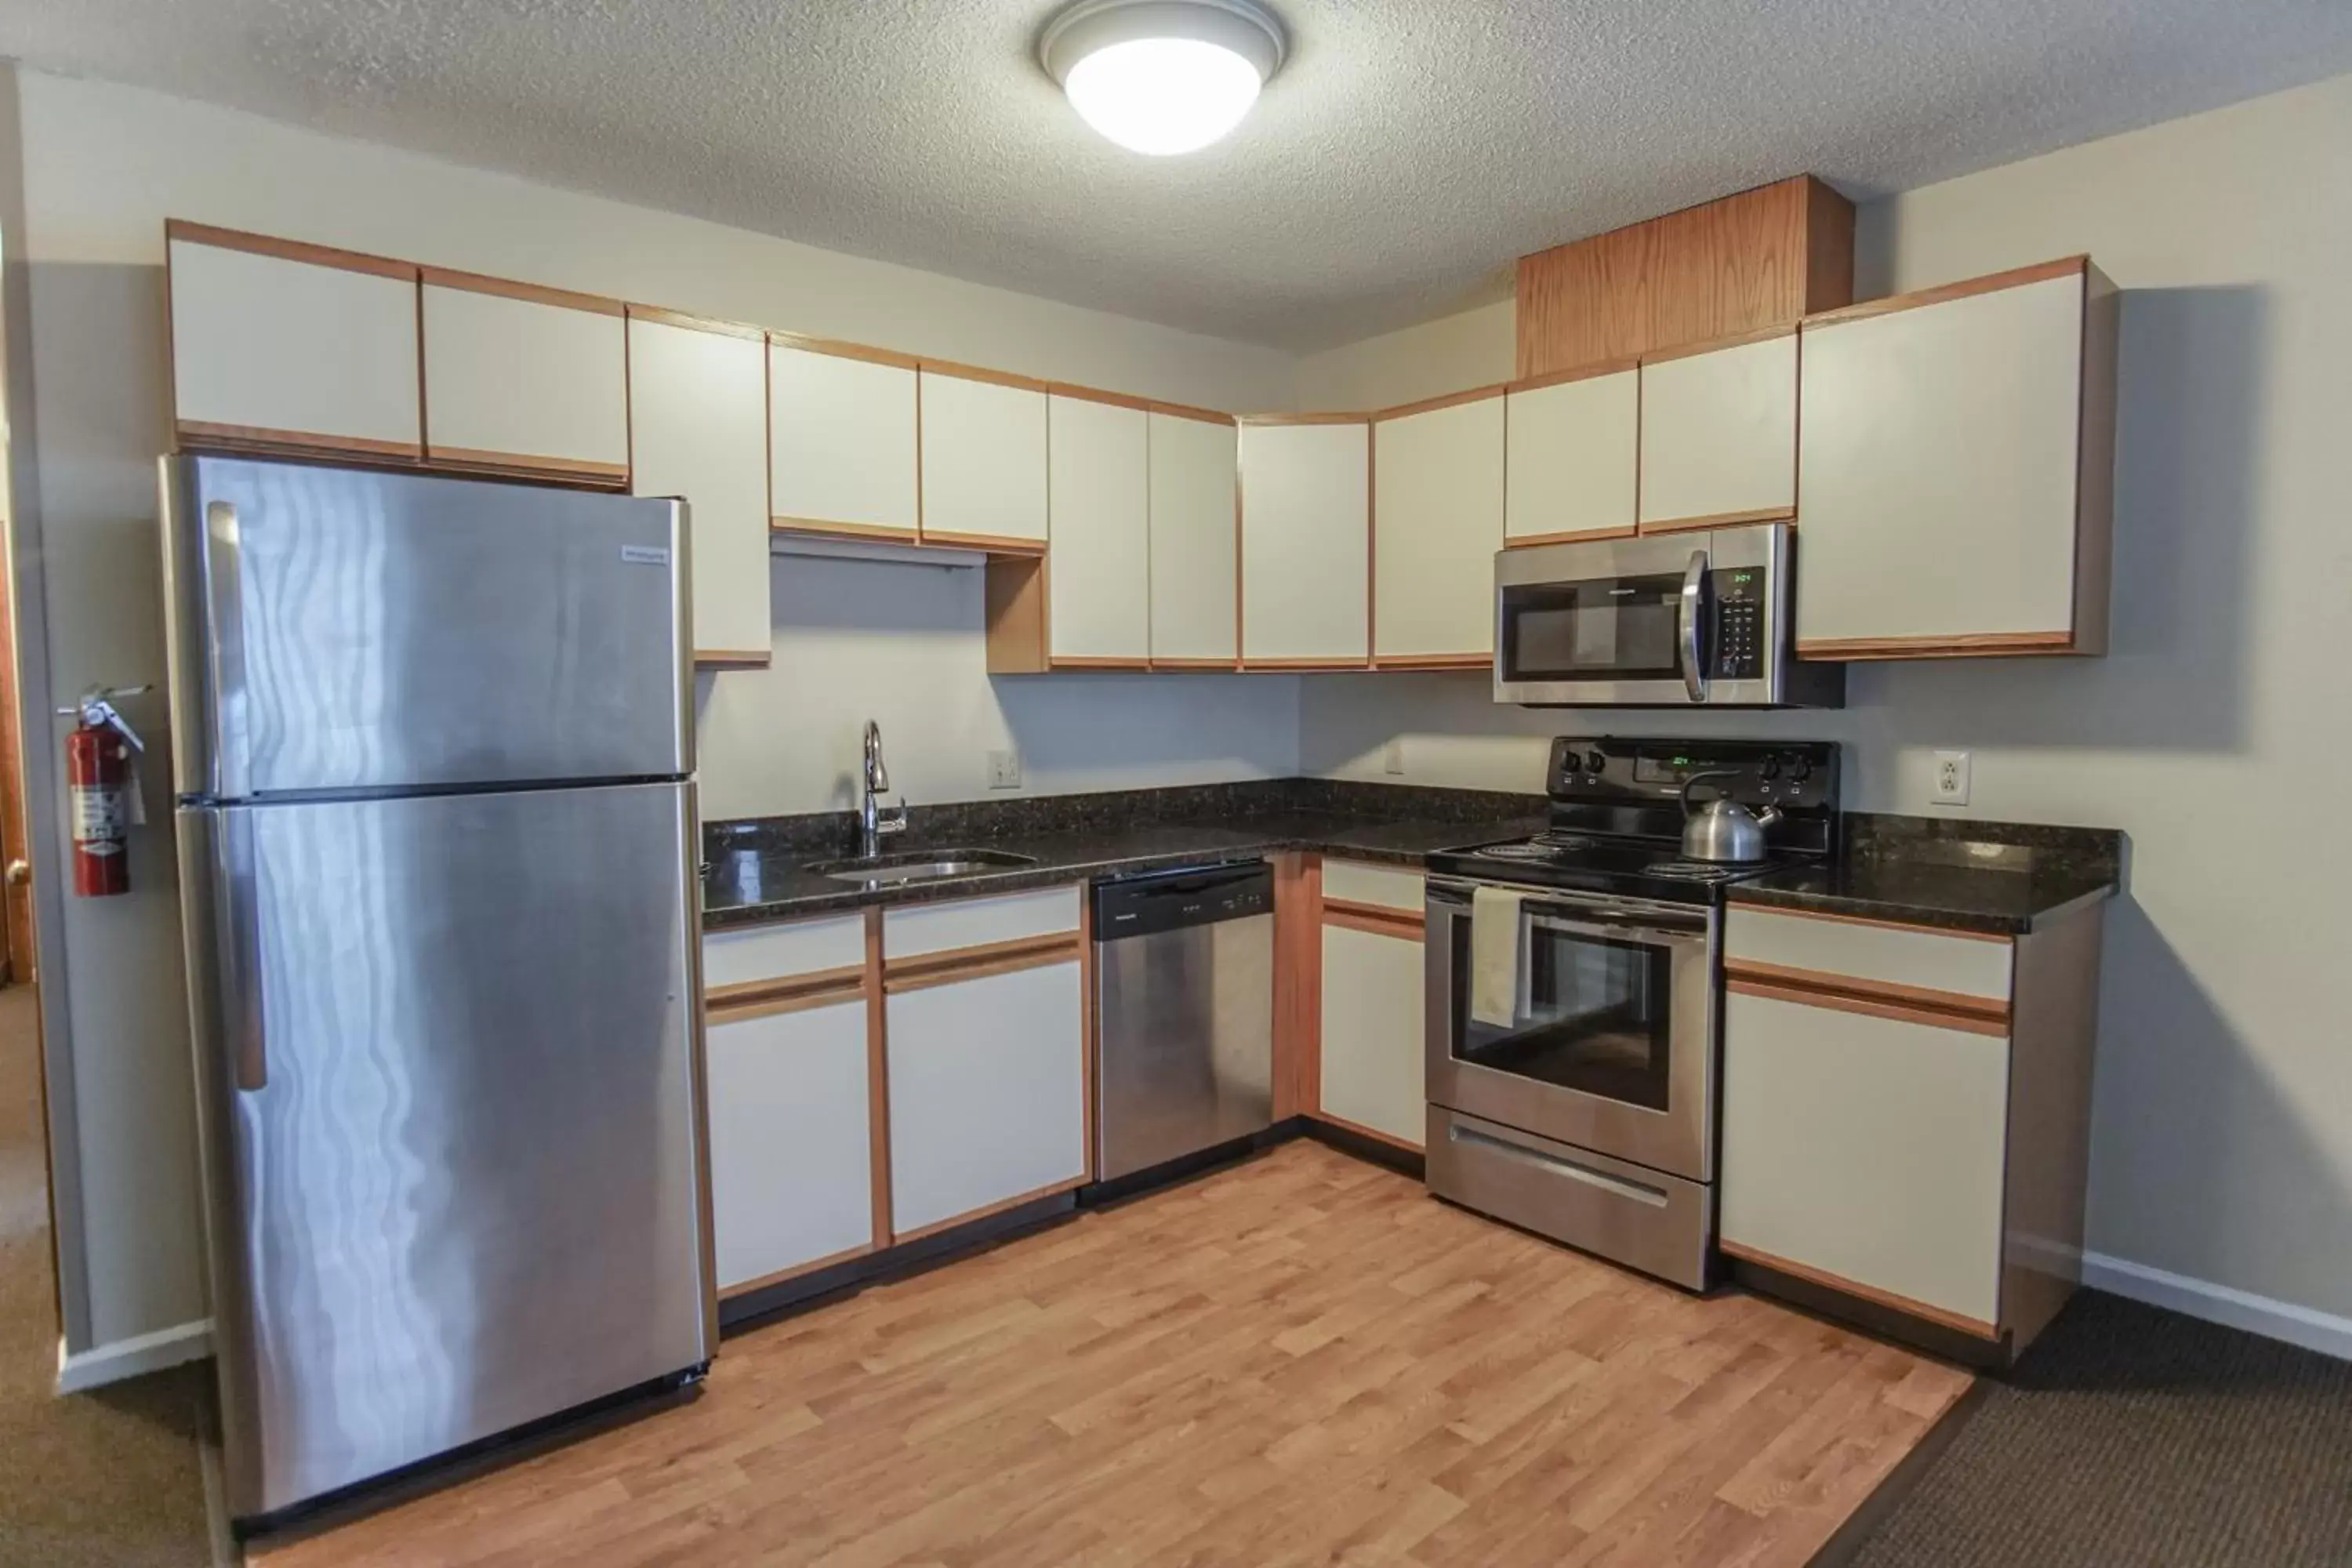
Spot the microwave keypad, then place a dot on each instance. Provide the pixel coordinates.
(1739, 624)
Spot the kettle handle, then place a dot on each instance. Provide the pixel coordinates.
(1710, 774)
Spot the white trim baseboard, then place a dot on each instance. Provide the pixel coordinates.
(102, 1365)
(2306, 1326)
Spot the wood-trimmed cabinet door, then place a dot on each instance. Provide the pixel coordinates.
(525, 381)
(1437, 521)
(1573, 452)
(698, 429)
(1719, 435)
(1307, 545)
(790, 1163)
(1957, 459)
(1869, 1150)
(988, 1086)
(841, 443)
(1372, 1073)
(983, 459)
(278, 347)
(1195, 563)
(1099, 597)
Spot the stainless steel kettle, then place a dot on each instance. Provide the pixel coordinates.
(1723, 830)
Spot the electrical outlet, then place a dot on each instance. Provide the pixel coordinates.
(1393, 755)
(1951, 778)
(1005, 770)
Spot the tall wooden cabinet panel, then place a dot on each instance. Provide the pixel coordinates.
(1305, 544)
(1372, 1074)
(1719, 435)
(987, 1093)
(1437, 521)
(524, 380)
(1195, 601)
(1099, 599)
(278, 345)
(1957, 453)
(841, 441)
(1868, 1149)
(984, 456)
(790, 1165)
(1574, 451)
(698, 429)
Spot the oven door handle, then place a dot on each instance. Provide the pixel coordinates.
(1687, 627)
(1618, 929)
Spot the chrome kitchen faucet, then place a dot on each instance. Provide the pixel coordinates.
(872, 821)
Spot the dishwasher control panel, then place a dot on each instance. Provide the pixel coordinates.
(1187, 895)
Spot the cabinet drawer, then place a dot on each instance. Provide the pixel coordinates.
(791, 1159)
(977, 923)
(1390, 887)
(1907, 958)
(758, 953)
(1868, 1150)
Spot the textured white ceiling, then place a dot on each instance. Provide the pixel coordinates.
(1405, 154)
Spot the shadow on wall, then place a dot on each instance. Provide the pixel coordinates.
(2178, 673)
(2227, 1182)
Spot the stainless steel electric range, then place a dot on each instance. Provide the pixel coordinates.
(1591, 1116)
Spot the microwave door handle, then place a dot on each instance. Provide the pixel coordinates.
(1687, 627)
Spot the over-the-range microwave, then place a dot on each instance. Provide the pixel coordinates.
(1661, 621)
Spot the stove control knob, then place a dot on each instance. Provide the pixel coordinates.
(1769, 768)
(1800, 770)
(1595, 762)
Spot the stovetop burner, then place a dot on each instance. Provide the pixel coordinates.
(1542, 847)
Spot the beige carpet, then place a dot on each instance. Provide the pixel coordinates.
(110, 1477)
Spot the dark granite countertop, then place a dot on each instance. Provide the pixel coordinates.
(1955, 872)
(757, 870)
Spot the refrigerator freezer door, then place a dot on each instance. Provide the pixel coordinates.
(449, 1063)
(336, 630)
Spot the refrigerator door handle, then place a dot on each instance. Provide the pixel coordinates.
(237, 902)
(224, 644)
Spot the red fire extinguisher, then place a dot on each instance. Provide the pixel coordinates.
(103, 780)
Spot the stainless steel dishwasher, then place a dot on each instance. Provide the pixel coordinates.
(1184, 1005)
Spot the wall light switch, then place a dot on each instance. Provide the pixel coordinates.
(1951, 779)
(1005, 770)
(1393, 755)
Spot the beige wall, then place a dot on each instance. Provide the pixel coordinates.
(1469, 347)
(2216, 732)
(104, 165)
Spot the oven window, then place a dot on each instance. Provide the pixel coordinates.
(1618, 628)
(1595, 1017)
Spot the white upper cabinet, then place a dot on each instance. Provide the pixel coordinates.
(1574, 450)
(1194, 603)
(983, 461)
(698, 429)
(1306, 543)
(279, 344)
(1099, 597)
(1958, 454)
(520, 379)
(1437, 521)
(841, 441)
(1719, 435)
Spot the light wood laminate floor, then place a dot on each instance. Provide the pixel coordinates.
(1303, 1358)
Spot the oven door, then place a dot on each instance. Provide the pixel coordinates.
(1616, 621)
(1612, 1042)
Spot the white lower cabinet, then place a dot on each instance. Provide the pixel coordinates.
(1868, 1149)
(1372, 1072)
(791, 1165)
(987, 1092)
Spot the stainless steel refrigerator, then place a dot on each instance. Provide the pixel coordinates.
(433, 761)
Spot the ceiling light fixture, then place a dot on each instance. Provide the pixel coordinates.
(1162, 76)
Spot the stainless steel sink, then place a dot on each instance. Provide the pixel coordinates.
(919, 866)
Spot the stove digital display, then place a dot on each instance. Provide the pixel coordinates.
(1667, 767)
